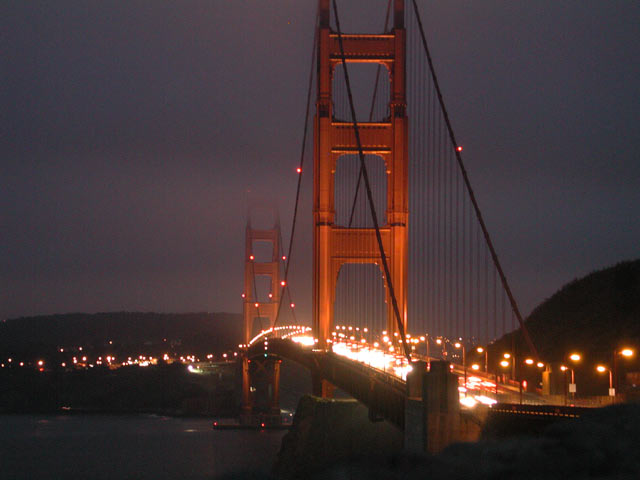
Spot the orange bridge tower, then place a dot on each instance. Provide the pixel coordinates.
(267, 309)
(333, 246)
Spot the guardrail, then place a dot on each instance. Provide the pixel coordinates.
(540, 410)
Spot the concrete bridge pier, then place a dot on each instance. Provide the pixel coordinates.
(432, 409)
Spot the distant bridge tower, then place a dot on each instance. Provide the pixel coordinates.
(267, 309)
(253, 268)
(333, 245)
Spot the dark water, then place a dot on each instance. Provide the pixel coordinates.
(128, 447)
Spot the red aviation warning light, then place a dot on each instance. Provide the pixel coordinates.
(299, 170)
(459, 148)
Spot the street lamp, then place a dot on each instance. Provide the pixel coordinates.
(507, 356)
(486, 358)
(464, 364)
(564, 369)
(503, 364)
(574, 357)
(625, 352)
(425, 338)
(531, 362)
(612, 391)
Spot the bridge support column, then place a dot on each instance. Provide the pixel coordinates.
(442, 405)
(432, 408)
(415, 432)
(275, 385)
(246, 405)
(260, 401)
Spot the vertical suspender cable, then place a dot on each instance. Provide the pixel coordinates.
(485, 232)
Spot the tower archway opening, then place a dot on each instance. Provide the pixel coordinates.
(346, 177)
(370, 88)
(360, 299)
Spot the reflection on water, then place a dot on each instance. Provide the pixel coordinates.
(128, 447)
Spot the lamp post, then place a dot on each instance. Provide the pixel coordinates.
(531, 361)
(508, 356)
(564, 370)
(625, 352)
(574, 357)
(503, 364)
(612, 391)
(486, 358)
(464, 364)
(425, 339)
(443, 351)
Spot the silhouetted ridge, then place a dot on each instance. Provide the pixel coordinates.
(197, 332)
(593, 315)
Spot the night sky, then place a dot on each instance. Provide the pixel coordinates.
(133, 133)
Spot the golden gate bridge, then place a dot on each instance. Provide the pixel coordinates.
(408, 290)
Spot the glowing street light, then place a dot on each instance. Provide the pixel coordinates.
(464, 363)
(486, 358)
(503, 364)
(602, 369)
(625, 352)
(574, 357)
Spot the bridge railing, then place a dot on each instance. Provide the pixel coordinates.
(299, 333)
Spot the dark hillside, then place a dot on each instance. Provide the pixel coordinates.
(593, 315)
(192, 332)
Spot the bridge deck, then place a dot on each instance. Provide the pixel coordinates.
(384, 393)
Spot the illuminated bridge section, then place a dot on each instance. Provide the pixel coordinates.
(377, 353)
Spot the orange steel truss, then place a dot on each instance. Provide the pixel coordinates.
(333, 245)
